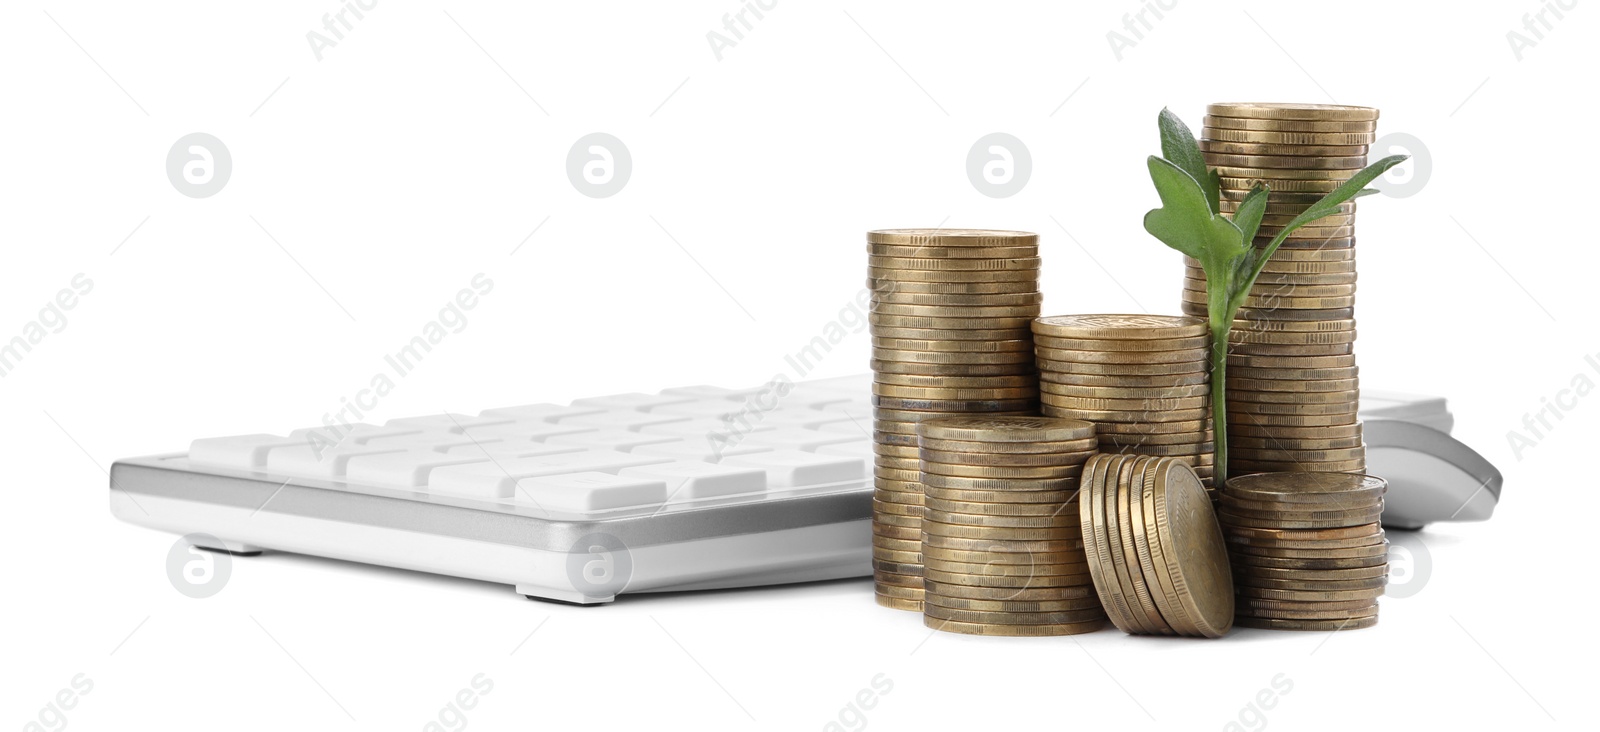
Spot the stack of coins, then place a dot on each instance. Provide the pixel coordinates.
(1307, 549)
(1155, 549)
(1142, 379)
(950, 314)
(1292, 392)
(1001, 548)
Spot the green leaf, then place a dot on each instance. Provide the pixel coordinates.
(1185, 222)
(1328, 205)
(1254, 206)
(1178, 145)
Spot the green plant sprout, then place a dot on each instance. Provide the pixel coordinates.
(1190, 221)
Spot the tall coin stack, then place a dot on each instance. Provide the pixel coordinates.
(1002, 548)
(1307, 550)
(1142, 379)
(950, 337)
(1292, 390)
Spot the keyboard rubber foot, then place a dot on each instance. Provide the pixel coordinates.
(568, 597)
(212, 543)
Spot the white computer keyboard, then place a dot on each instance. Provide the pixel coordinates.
(693, 488)
(697, 487)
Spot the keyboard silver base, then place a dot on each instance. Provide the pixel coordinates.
(585, 561)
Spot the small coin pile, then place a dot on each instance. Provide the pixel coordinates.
(949, 318)
(1307, 549)
(1155, 549)
(1143, 380)
(1292, 390)
(1001, 548)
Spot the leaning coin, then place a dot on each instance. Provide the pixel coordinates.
(1034, 630)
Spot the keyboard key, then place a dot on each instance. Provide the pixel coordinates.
(318, 462)
(622, 420)
(690, 481)
(610, 439)
(589, 492)
(701, 428)
(696, 450)
(795, 469)
(435, 440)
(704, 408)
(512, 449)
(793, 438)
(357, 433)
(636, 401)
(845, 426)
(808, 419)
(857, 448)
(498, 478)
(407, 469)
(246, 452)
(713, 392)
(457, 423)
(526, 430)
(540, 412)
(856, 384)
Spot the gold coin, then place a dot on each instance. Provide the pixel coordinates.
(1117, 326)
(1301, 350)
(1028, 276)
(936, 264)
(1368, 609)
(1011, 522)
(897, 567)
(1009, 448)
(1251, 580)
(1276, 301)
(1290, 151)
(1285, 208)
(955, 578)
(950, 405)
(1345, 396)
(1187, 449)
(947, 324)
(1310, 488)
(897, 521)
(1306, 595)
(1281, 185)
(1122, 345)
(931, 610)
(956, 311)
(1327, 326)
(899, 592)
(1246, 560)
(1127, 415)
(986, 557)
(994, 544)
(889, 297)
(1043, 472)
(1234, 518)
(1302, 502)
(953, 370)
(1128, 392)
(896, 473)
(1014, 459)
(1100, 381)
(956, 382)
(954, 393)
(1278, 221)
(961, 346)
(1289, 535)
(1112, 442)
(1124, 369)
(1160, 404)
(1290, 125)
(1051, 499)
(1272, 409)
(1272, 278)
(1352, 163)
(1192, 550)
(1252, 604)
(1275, 292)
(1032, 631)
(1293, 111)
(880, 285)
(1122, 357)
(891, 250)
(899, 498)
(1289, 138)
(896, 603)
(1137, 429)
(1378, 550)
(1334, 176)
(1318, 234)
(1282, 337)
(952, 238)
(1009, 594)
(1315, 574)
(990, 569)
(1280, 362)
(1237, 442)
(1239, 194)
(896, 580)
(1354, 623)
(894, 556)
(902, 533)
(1006, 429)
(1016, 606)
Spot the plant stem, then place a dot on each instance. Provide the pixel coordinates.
(1219, 398)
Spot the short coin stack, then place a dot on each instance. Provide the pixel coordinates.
(1001, 548)
(1155, 550)
(950, 315)
(1292, 391)
(1307, 549)
(1142, 379)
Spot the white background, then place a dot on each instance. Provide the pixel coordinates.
(410, 158)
